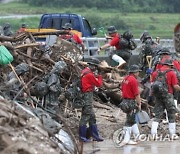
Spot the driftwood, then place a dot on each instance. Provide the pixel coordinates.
(99, 105)
(26, 45)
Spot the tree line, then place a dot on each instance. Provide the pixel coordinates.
(147, 6)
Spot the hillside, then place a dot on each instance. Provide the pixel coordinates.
(158, 24)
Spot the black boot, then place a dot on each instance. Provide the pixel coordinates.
(82, 133)
(95, 134)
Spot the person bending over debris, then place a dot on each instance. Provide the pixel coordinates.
(54, 86)
(71, 37)
(89, 81)
(131, 102)
(123, 45)
(163, 97)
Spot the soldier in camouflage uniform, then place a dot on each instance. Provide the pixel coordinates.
(131, 102)
(53, 83)
(88, 82)
(165, 101)
(148, 48)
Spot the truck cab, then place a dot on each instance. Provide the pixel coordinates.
(58, 20)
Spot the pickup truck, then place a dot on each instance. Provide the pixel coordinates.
(58, 20)
(80, 25)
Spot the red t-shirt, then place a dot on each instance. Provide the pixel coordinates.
(89, 81)
(115, 41)
(73, 36)
(21, 30)
(130, 87)
(171, 78)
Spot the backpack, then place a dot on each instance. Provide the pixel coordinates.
(160, 86)
(77, 95)
(127, 44)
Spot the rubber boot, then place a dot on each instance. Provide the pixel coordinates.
(135, 132)
(95, 134)
(154, 128)
(172, 131)
(127, 136)
(82, 133)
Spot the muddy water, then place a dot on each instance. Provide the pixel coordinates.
(147, 147)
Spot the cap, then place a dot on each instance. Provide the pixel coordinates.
(112, 29)
(134, 68)
(165, 51)
(93, 61)
(23, 25)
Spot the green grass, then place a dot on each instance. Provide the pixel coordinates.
(161, 25)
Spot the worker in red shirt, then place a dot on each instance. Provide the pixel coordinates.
(88, 82)
(131, 102)
(164, 55)
(165, 101)
(71, 37)
(122, 46)
(22, 28)
(115, 39)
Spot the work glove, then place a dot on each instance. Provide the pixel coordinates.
(149, 71)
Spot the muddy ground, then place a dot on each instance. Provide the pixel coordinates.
(109, 121)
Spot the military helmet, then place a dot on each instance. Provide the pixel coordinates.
(145, 35)
(127, 35)
(165, 51)
(93, 61)
(168, 62)
(134, 68)
(67, 26)
(111, 29)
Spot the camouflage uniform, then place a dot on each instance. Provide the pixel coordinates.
(165, 102)
(124, 53)
(88, 114)
(129, 106)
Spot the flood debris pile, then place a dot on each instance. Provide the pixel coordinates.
(39, 116)
(26, 131)
(43, 73)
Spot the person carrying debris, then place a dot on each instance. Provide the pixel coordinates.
(130, 104)
(163, 82)
(123, 45)
(88, 83)
(71, 37)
